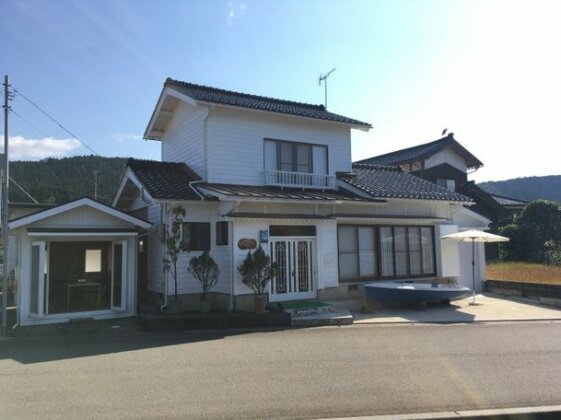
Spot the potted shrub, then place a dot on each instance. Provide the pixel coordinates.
(204, 269)
(257, 271)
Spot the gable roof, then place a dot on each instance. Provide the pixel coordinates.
(423, 151)
(393, 182)
(261, 103)
(509, 201)
(71, 205)
(165, 180)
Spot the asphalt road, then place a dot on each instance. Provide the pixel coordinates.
(307, 373)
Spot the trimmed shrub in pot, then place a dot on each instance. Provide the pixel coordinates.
(257, 271)
(204, 269)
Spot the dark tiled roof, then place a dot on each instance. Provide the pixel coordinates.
(508, 201)
(267, 192)
(262, 103)
(392, 182)
(165, 180)
(423, 151)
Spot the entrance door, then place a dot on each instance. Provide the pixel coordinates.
(295, 278)
(38, 279)
(118, 275)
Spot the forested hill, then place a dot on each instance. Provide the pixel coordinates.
(529, 188)
(61, 180)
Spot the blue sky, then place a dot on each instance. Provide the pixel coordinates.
(486, 70)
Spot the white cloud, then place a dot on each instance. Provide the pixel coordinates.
(22, 148)
(121, 137)
(235, 10)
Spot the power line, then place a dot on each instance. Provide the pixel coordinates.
(29, 123)
(55, 121)
(25, 192)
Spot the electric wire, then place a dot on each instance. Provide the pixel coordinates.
(29, 123)
(55, 121)
(25, 192)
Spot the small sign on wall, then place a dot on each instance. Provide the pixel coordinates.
(247, 243)
(263, 236)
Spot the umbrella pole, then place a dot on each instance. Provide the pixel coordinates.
(473, 270)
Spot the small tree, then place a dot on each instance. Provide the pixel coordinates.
(204, 269)
(173, 243)
(257, 270)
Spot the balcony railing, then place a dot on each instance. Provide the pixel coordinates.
(300, 180)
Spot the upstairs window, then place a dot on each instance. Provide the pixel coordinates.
(449, 184)
(290, 156)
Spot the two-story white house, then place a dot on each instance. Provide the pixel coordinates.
(251, 170)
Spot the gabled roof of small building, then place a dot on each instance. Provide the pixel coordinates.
(261, 103)
(423, 151)
(74, 204)
(392, 182)
(165, 180)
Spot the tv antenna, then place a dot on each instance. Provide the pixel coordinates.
(323, 78)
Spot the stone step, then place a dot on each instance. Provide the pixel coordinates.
(339, 317)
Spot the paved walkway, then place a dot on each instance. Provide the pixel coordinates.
(489, 308)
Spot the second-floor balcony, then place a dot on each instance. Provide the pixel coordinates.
(300, 180)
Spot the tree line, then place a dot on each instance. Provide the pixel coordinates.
(55, 181)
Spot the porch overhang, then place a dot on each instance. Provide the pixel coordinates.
(81, 232)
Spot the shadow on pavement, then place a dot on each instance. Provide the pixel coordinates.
(70, 341)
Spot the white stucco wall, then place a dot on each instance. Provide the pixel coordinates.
(236, 142)
(448, 155)
(184, 139)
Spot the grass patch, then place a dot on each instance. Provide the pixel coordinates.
(524, 272)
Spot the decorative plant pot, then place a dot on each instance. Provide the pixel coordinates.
(260, 303)
(204, 306)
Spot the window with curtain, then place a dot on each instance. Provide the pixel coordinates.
(289, 156)
(404, 251)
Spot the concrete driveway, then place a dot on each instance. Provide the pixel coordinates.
(490, 308)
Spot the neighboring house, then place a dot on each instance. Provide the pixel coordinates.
(447, 163)
(250, 168)
(74, 260)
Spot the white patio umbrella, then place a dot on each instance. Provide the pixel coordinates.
(474, 236)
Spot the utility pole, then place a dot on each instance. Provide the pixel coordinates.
(5, 215)
(95, 183)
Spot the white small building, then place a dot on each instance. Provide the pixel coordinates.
(251, 170)
(75, 260)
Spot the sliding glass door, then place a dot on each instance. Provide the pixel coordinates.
(385, 252)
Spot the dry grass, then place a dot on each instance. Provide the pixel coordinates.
(525, 272)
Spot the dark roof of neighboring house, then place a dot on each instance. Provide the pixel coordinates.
(261, 103)
(392, 182)
(508, 201)
(423, 151)
(269, 192)
(165, 180)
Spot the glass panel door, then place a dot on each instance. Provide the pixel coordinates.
(118, 274)
(37, 284)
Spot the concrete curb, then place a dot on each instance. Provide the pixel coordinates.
(536, 412)
(483, 321)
